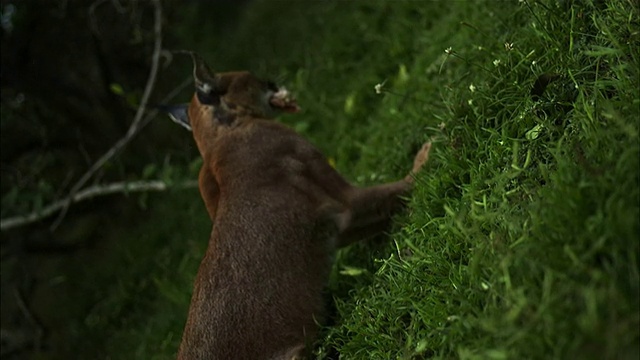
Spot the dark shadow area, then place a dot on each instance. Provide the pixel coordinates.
(72, 77)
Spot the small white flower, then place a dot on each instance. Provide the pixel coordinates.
(378, 87)
(470, 102)
(508, 46)
(534, 62)
(472, 88)
(496, 62)
(480, 48)
(441, 126)
(448, 50)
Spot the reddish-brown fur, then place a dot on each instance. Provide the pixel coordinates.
(279, 212)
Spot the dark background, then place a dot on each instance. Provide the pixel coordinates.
(73, 73)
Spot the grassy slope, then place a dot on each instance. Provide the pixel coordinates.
(522, 236)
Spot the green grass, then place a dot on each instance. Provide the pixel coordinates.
(522, 236)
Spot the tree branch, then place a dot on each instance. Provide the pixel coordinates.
(133, 129)
(88, 193)
(76, 195)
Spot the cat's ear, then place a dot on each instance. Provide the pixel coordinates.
(207, 82)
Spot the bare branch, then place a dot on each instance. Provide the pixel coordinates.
(133, 129)
(37, 336)
(93, 23)
(88, 193)
(24, 336)
(139, 122)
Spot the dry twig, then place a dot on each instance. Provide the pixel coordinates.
(88, 193)
(77, 194)
(133, 129)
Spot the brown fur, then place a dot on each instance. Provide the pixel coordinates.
(279, 212)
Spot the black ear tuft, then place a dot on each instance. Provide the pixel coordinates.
(204, 78)
(178, 113)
